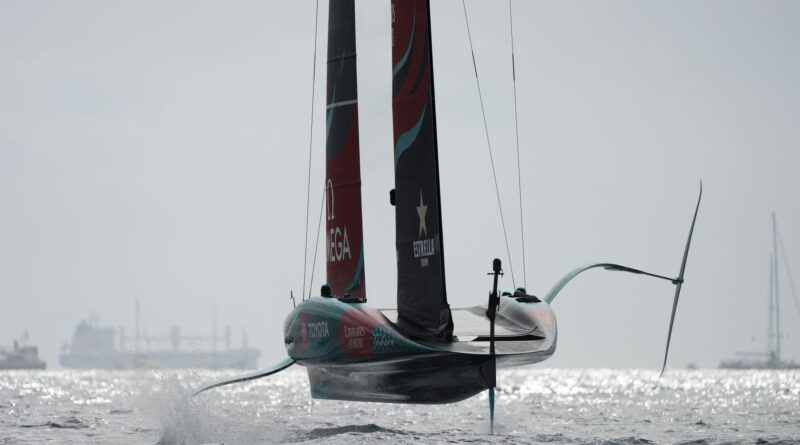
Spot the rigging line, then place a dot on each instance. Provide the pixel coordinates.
(310, 145)
(489, 145)
(516, 133)
(788, 271)
(316, 243)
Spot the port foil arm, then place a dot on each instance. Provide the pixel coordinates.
(551, 295)
(257, 374)
(678, 282)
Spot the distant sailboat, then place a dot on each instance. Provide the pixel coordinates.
(424, 351)
(771, 359)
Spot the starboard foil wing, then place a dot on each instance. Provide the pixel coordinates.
(679, 280)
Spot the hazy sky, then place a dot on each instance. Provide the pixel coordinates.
(159, 150)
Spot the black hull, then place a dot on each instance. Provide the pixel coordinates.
(430, 379)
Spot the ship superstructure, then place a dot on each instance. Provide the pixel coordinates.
(94, 346)
(21, 356)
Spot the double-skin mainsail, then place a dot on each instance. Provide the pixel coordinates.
(421, 297)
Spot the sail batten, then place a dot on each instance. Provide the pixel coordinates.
(344, 231)
(421, 293)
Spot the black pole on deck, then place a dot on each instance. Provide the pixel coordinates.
(491, 312)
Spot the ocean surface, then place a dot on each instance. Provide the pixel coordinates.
(534, 405)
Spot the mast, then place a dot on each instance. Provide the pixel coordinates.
(421, 293)
(776, 293)
(214, 336)
(771, 314)
(344, 233)
(136, 331)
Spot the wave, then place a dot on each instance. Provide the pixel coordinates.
(626, 441)
(71, 422)
(321, 433)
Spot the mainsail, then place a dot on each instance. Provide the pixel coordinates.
(421, 296)
(344, 235)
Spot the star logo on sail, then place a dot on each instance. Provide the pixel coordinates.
(423, 248)
(422, 210)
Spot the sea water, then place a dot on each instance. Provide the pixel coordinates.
(534, 405)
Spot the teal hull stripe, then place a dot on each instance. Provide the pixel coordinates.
(406, 139)
(359, 272)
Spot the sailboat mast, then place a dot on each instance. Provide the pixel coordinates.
(436, 148)
(214, 336)
(136, 330)
(776, 293)
(771, 313)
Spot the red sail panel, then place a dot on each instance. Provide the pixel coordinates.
(421, 296)
(344, 235)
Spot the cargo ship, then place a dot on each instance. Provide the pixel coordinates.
(21, 356)
(102, 347)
